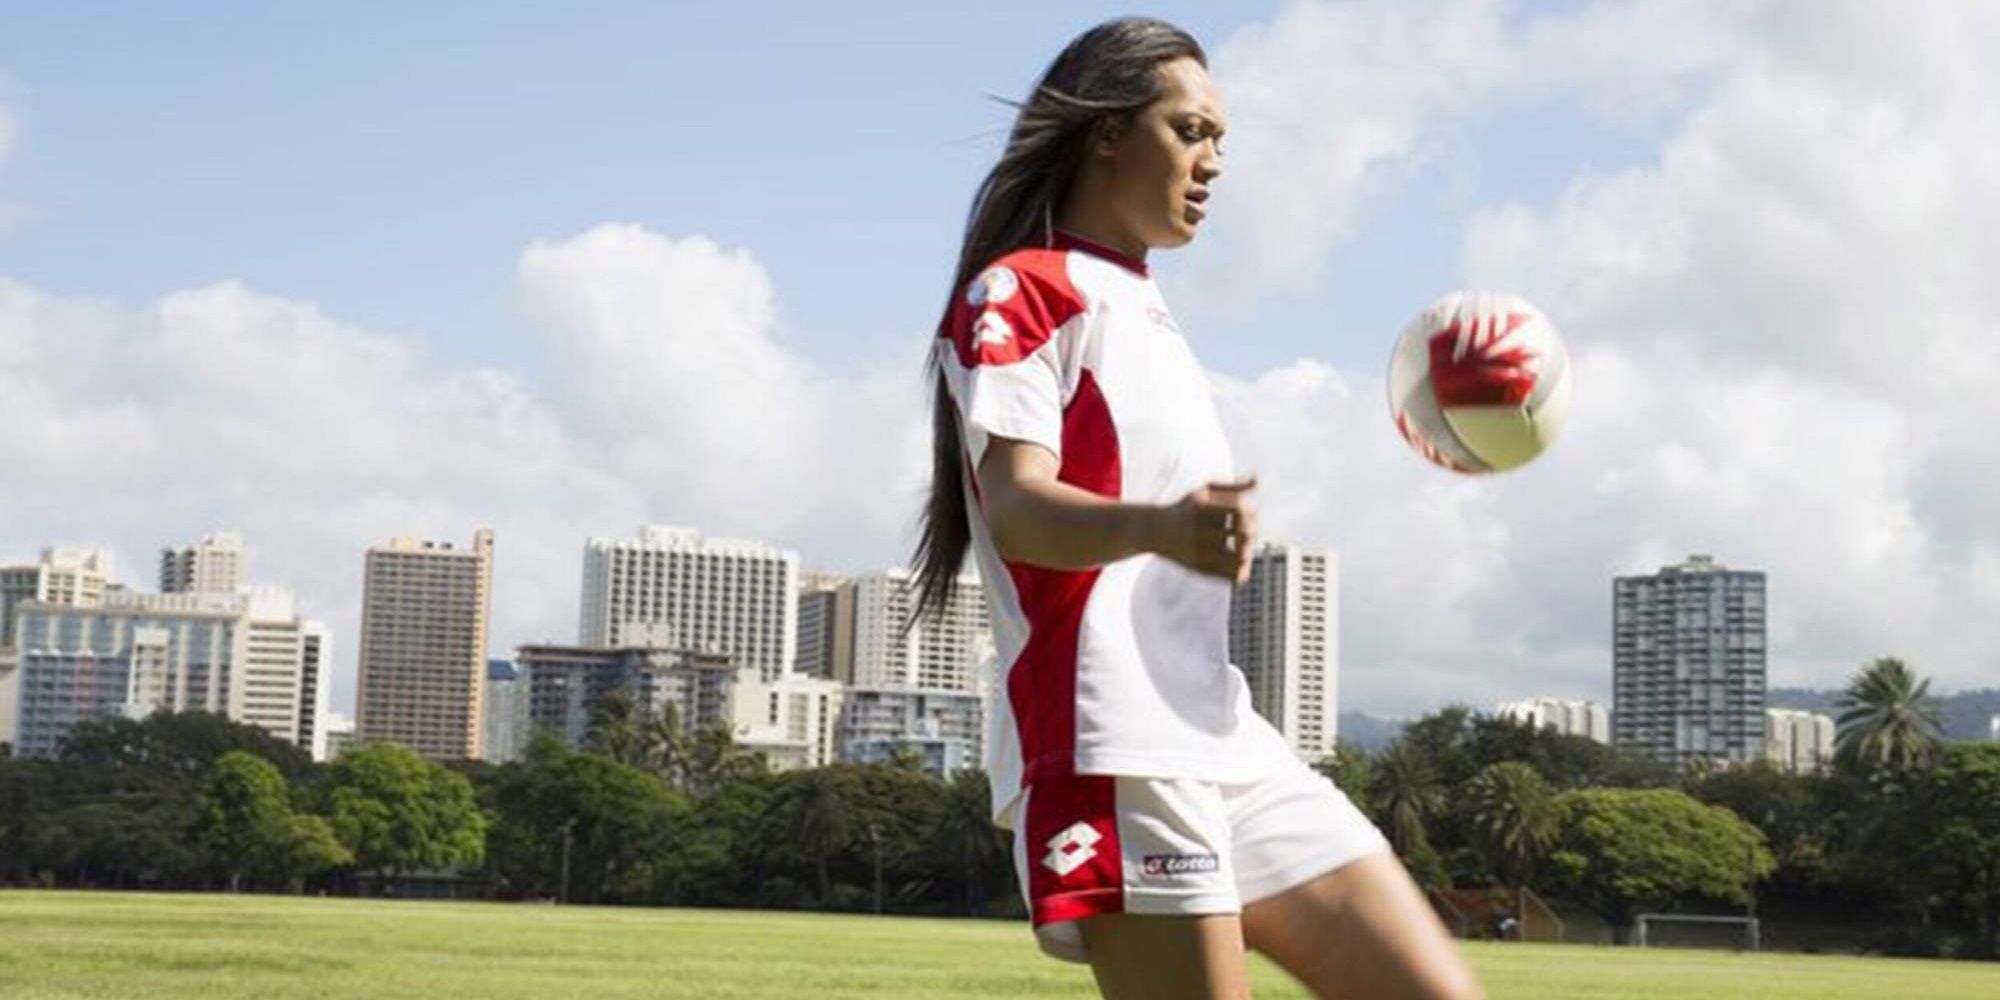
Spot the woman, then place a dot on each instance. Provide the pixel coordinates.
(1160, 825)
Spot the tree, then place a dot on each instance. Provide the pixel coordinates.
(117, 844)
(966, 842)
(309, 848)
(1624, 851)
(1802, 818)
(176, 745)
(246, 826)
(27, 798)
(1514, 822)
(398, 812)
(1406, 793)
(714, 760)
(667, 745)
(1888, 720)
(1563, 760)
(617, 729)
(245, 818)
(621, 821)
(1444, 741)
(1957, 849)
(817, 819)
(720, 857)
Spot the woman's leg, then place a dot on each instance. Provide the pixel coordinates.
(1137, 957)
(1361, 930)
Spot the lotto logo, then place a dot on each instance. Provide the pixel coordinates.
(1069, 849)
(991, 328)
(1179, 864)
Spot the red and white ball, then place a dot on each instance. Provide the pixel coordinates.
(1479, 382)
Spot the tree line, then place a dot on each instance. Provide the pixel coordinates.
(1903, 827)
(646, 813)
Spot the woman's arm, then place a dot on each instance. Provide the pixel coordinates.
(1037, 519)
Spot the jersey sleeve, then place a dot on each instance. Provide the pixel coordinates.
(1012, 341)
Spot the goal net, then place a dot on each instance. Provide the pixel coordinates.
(1690, 930)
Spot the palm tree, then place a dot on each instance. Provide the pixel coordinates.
(714, 760)
(1406, 794)
(818, 818)
(666, 746)
(1515, 821)
(1888, 718)
(966, 841)
(615, 729)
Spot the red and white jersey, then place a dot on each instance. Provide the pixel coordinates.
(1122, 669)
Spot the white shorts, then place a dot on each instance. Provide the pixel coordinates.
(1091, 844)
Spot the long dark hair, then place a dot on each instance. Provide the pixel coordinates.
(1108, 72)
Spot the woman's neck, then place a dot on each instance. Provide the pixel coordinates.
(1085, 217)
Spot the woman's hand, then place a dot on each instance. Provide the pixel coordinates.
(1213, 530)
(1036, 519)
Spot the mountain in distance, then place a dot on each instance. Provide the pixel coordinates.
(1369, 732)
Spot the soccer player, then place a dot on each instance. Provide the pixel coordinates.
(1160, 825)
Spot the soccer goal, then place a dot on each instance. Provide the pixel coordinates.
(1648, 924)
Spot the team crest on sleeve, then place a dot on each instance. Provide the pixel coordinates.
(993, 286)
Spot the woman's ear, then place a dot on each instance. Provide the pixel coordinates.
(1106, 134)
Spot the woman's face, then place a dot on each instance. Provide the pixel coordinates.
(1162, 162)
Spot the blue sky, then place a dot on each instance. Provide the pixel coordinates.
(388, 161)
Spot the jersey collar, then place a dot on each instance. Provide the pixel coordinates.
(1063, 239)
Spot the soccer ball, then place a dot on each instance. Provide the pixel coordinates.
(1479, 382)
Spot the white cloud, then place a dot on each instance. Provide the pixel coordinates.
(1334, 104)
(221, 407)
(669, 366)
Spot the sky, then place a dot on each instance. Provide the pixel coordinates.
(325, 276)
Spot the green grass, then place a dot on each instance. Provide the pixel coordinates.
(66, 945)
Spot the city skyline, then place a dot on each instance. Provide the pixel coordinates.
(107, 571)
(280, 649)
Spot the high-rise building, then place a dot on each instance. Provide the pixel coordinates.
(10, 698)
(212, 566)
(62, 577)
(1800, 742)
(565, 684)
(1688, 663)
(826, 625)
(75, 578)
(1566, 716)
(1284, 634)
(130, 656)
(315, 685)
(792, 721)
(506, 712)
(279, 678)
(944, 730)
(424, 611)
(267, 672)
(733, 597)
(1993, 728)
(940, 652)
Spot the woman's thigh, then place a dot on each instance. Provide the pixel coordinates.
(1140, 957)
(1361, 930)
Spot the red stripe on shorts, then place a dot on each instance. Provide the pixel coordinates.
(1075, 866)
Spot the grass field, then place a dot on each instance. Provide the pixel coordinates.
(119, 945)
